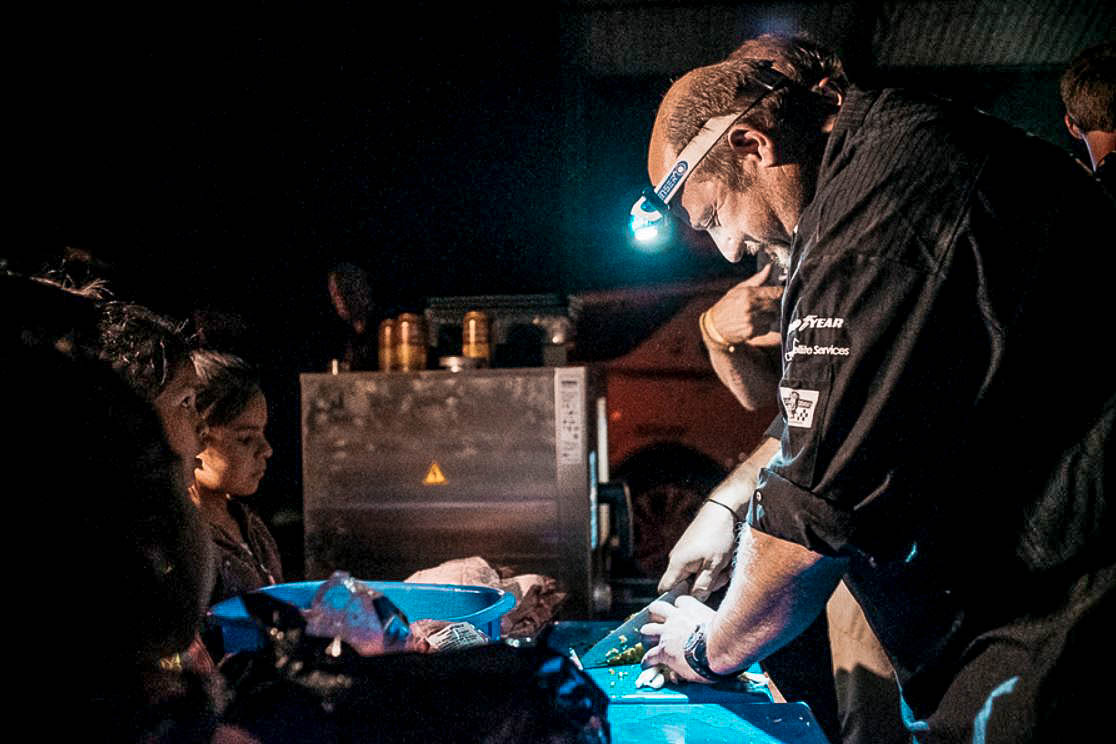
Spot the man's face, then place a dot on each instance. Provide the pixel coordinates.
(758, 207)
(741, 218)
(178, 412)
(739, 221)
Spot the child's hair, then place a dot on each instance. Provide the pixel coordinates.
(145, 348)
(225, 385)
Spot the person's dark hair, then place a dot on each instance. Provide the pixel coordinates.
(145, 348)
(225, 385)
(35, 311)
(83, 431)
(731, 85)
(1088, 88)
(94, 289)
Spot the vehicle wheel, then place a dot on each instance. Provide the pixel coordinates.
(660, 516)
(666, 488)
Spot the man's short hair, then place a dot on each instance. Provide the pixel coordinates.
(731, 85)
(1088, 89)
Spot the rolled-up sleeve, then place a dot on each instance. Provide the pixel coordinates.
(798, 515)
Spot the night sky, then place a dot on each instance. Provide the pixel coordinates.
(232, 159)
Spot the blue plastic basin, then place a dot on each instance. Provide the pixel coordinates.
(481, 606)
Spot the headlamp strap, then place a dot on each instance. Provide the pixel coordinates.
(712, 131)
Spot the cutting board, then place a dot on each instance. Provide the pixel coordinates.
(754, 723)
(618, 683)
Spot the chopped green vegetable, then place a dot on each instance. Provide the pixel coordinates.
(631, 655)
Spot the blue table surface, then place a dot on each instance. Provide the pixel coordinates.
(687, 713)
(710, 723)
(618, 682)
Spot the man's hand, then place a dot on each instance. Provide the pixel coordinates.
(673, 626)
(704, 552)
(747, 311)
(705, 549)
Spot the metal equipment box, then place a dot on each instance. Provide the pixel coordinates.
(405, 470)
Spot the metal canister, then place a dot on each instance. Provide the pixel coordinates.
(387, 344)
(474, 338)
(410, 342)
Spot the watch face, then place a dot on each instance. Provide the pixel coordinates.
(695, 655)
(697, 635)
(692, 639)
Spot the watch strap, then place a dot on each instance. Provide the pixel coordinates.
(697, 656)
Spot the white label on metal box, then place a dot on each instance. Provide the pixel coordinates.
(569, 416)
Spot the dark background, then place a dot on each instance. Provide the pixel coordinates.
(224, 159)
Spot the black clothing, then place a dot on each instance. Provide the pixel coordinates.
(1106, 173)
(244, 566)
(240, 567)
(946, 430)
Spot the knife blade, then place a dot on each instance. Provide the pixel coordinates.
(626, 635)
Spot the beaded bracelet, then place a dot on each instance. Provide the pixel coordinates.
(724, 506)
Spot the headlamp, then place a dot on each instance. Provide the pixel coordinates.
(654, 202)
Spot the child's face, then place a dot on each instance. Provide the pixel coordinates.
(179, 414)
(235, 455)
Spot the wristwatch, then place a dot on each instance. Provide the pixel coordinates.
(697, 657)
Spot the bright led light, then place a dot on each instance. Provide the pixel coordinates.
(648, 227)
(645, 219)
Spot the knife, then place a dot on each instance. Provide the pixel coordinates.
(610, 650)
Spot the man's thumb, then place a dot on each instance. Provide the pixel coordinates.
(759, 277)
(703, 585)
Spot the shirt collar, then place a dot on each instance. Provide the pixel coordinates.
(1108, 161)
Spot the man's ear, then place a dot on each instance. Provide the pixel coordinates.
(750, 143)
(1074, 130)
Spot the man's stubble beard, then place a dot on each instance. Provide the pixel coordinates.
(780, 254)
(784, 196)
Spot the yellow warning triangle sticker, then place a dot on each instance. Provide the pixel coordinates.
(434, 476)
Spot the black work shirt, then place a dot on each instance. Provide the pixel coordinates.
(945, 429)
(1106, 173)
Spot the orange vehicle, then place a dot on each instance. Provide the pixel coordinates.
(674, 430)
